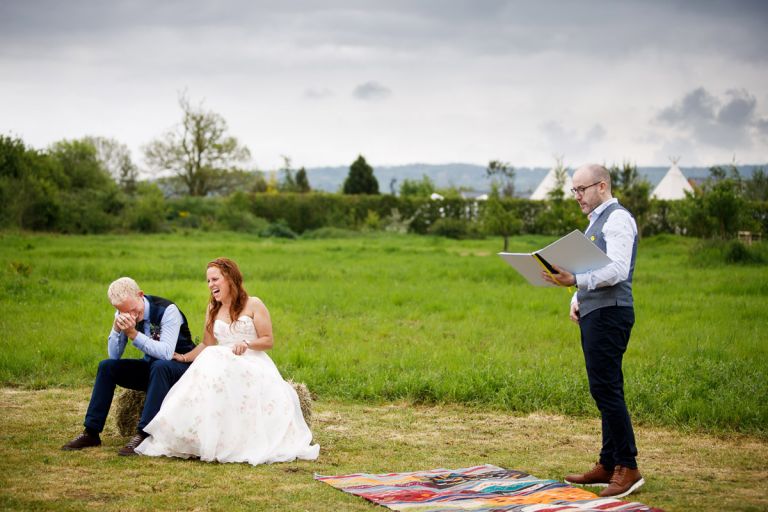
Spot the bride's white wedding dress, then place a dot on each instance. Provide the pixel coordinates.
(230, 408)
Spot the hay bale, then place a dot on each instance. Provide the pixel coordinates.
(130, 403)
(128, 409)
(305, 400)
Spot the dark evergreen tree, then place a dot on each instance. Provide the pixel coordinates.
(756, 188)
(302, 182)
(360, 179)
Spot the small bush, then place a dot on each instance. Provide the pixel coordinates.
(396, 222)
(234, 214)
(457, 229)
(147, 211)
(20, 268)
(736, 252)
(717, 252)
(372, 221)
(193, 212)
(187, 219)
(322, 233)
(278, 229)
(242, 221)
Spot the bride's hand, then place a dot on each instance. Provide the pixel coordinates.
(240, 348)
(179, 357)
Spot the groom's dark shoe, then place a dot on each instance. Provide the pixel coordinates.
(130, 447)
(84, 440)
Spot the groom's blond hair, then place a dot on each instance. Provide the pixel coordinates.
(121, 289)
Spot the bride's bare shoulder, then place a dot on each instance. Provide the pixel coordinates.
(255, 305)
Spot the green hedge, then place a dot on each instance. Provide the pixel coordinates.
(304, 212)
(309, 212)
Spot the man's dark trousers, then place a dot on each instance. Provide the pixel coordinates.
(604, 338)
(155, 376)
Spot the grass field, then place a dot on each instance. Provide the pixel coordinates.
(424, 319)
(683, 471)
(423, 352)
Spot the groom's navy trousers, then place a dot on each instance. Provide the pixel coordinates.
(155, 376)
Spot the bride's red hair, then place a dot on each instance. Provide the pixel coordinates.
(232, 274)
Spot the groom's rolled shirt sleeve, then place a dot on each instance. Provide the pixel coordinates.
(116, 343)
(170, 325)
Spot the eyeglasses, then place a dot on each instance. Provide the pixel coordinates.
(578, 191)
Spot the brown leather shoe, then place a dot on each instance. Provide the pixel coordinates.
(598, 476)
(130, 447)
(84, 440)
(624, 481)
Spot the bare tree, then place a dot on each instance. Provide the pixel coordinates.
(561, 175)
(115, 158)
(198, 150)
(502, 175)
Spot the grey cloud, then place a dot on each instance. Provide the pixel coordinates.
(371, 91)
(595, 134)
(595, 27)
(709, 120)
(571, 143)
(318, 94)
(554, 130)
(739, 110)
(698, 105)
(762, 127)
(678, 147)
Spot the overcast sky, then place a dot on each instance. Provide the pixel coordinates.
(412, 81)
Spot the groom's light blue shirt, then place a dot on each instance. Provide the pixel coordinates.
(170, 325)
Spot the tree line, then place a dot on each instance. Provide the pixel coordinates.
(91, 185)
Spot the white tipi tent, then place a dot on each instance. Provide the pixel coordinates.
(548, 183)
(673, 185)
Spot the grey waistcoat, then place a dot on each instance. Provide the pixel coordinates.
(619, 294)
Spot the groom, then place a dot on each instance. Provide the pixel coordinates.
(158, 328)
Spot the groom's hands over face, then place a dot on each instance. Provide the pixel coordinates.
(120, 322)
(126, 322)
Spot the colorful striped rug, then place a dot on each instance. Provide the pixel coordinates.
(480, 489)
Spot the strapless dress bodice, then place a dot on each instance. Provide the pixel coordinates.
(240, 330)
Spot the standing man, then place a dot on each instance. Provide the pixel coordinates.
(158, 328)
(603, 308)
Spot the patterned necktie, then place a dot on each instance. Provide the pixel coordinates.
(140, 326)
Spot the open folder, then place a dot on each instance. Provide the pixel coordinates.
(574, 252)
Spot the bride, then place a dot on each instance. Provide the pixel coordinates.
(232, 405)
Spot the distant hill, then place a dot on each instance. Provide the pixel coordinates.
(331, 179)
